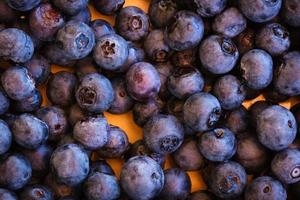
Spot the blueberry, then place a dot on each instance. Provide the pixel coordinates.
(61, 88)
(117, 143)
(57, 56)
(142, 178)
(15, 45)
(108, 7)
(122, 102)
(39, 68)
(184, 31)
(86, 66)
(201, 111)
(286, 166)
(29, 104)
(143, 81)
(39, 159)
(290, 12)
(229, 91)
(164, 70)
(101, 28)
(7, 13)
(5, 137)
(83, 16)
(200, 195)
(45, 21)
(177, 185)
(56, 119)
(156, 47)
(95, 93)
(23, 5)
(101, 186)
(17, 83)
(4, 102)
(185, 81)
(76, 39)
(229, 23)
(188, 157)
(70, 164)
(265, 187)
(70, 7)
(132, 23)
(7, 195)
(36, 192)
(245, 41)
(287, 76)
(15, 171)
(276, 127)
(161, 12)
(29, 132)
(274, 38)
(228, 180)
(256, 68)
(237, 120)
(252, 155)
(101, 166)
(184, 58)
(217, 145)
(111, 52)
(76, 114)
(260, 11)
(92, 132)
(218, 54)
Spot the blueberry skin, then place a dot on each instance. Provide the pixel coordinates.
(156, 47)
(217, 145)
(76, 39)
(101, 28)
(70, 7)
(21, 5)
(245, 41)
(218, 54)
(117, 143)
(7, 15)
(132, 23)
(92, 132)
(29, 132)
(286, 165)
(177, 185)
(45, 21)
(287, 76)
(256, 67)
(143, 81)
(36, 192)
(61, 88)
(227, 180)
(291, 12)
(260, 11)
(108, 7)
(201, 111)
(230, 22)
(39, 68)
(22, 49)
(95, 93)
(229, 91)
(187, 157)
(17, 83)
(200, 195)
(101, 186)
(16, 171)
(274, 38)
(57, 56)
(4, 102)
(111, 52)
(29, 104)
(265, 187)
(7, 195)
(76, 114)
(39, 159)
(250, 153)
(185, 81)
(83, 16)
(164, 70)
(276, 127)
(237, 120)
(142, 178)
(70, 164)
(184, 31)
(56, 120)
(122, 102)
(161, 12)
(5, 137)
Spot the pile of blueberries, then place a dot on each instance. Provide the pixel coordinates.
(184, 70)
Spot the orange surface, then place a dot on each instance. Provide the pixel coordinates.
(125, 121)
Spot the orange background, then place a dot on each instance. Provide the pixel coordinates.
(125, 121)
